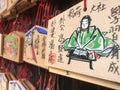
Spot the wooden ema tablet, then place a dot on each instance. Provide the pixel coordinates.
(3, 5)
(3, 82)
(13, 46)
(16, 85)
(86, 42)
(35, 46)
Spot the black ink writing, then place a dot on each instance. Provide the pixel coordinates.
(44, 41)
(115, 11)
(52, 32)
(60, 48)
(61, 22)
(115, 15)
(36, 46)
(98, 8)
(114, 68)
(60, 58)
(115, 36)
(51, 44)
(116, 52)
(75, 12)
(53, 23)
(115, 28)
(61, 38)
(43, 47)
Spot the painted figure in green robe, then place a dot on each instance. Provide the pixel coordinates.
(88, 43)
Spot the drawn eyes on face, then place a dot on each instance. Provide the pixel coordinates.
(85, 24)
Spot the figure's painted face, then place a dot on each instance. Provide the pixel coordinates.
(84, 24)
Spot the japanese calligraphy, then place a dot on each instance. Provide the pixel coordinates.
(81, 41)
(60, 58)
(52, 56)
(114, 68)
(98, 8)
(115, 15)
(115, 28)
(75, 12)
(116, 53)
(61, 22)
(43, 45)
(60, 48)
(115, 36)
(52, 32)
(61, 38)
(51, 44)
(37, 44)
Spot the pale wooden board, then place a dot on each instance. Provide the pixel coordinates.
(16, 85)
(86, 78)
(3, 82)
(39, 45)
(17, 54)
(70, 24)
(11, 4)
(3, 6)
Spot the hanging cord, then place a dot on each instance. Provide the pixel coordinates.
(16, 22)
(25, 21)
(51, 82)
(24, 71)
(39, 82)
(10, 27)
(1, 25)
(39, 13)
(85, 5)
(51, 9)
(46, 10)
(46, 74)
(11, 67)
(46, 16)
(2, 64)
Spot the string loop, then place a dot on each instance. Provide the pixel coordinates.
(85, 5)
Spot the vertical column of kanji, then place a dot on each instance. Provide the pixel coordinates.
(114, 31)
(61, 22)
(51, 42)
(105, 16)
